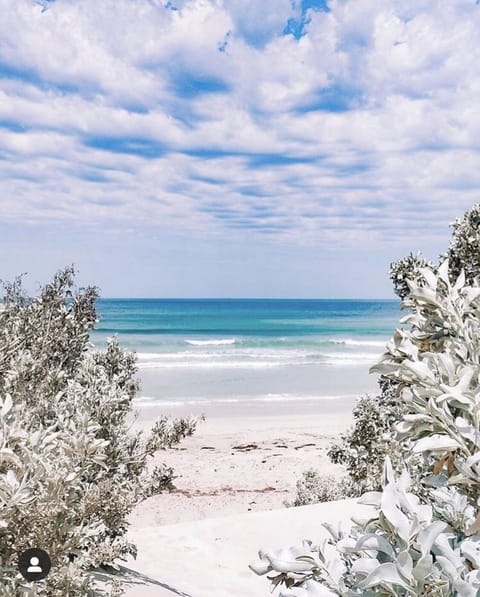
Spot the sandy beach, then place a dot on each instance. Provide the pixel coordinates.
(241, 464)
(233, 479)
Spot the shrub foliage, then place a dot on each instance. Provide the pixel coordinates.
(415, 451)
(71, 469)
(363, 449)
(421, 538)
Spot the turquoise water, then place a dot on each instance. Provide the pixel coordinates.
(221, 351)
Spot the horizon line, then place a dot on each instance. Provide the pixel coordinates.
(240, 298)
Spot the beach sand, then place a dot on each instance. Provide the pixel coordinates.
(209, 558)
(233, 478)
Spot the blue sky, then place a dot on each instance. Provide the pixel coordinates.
(281, 148)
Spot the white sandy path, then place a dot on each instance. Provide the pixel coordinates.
(209, 558)
(199, 541)
(215, 478)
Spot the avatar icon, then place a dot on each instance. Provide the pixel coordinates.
(34, 564)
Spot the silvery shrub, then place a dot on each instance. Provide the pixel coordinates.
(362, 450)
(463, 253)
(71, 469)
(422, 535)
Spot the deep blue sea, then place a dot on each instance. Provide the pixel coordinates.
(256, 350)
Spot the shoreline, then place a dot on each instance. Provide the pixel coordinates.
(340, 405)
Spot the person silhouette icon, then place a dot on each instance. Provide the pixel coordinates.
(34, 565)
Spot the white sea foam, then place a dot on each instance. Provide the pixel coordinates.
(354, 356)
(296, 397)
(254, 353)
(358, 358)
(350, 342)
(156, 355)
(211, 342)
(183, 354)
(152, 401)
(343, 362)
(211, 365)
(249, 358)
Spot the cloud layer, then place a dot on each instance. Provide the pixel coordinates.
(301, 122)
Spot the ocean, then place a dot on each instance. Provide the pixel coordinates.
(218, 352)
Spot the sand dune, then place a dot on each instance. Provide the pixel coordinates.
(209, 558)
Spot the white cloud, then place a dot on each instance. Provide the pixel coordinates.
(207, 119)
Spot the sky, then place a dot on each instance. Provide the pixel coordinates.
(235, 148)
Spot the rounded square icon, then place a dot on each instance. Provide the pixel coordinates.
(34, 564)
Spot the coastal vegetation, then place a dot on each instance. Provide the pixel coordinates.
(363, 449)
(71, 468)
(414, 454)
